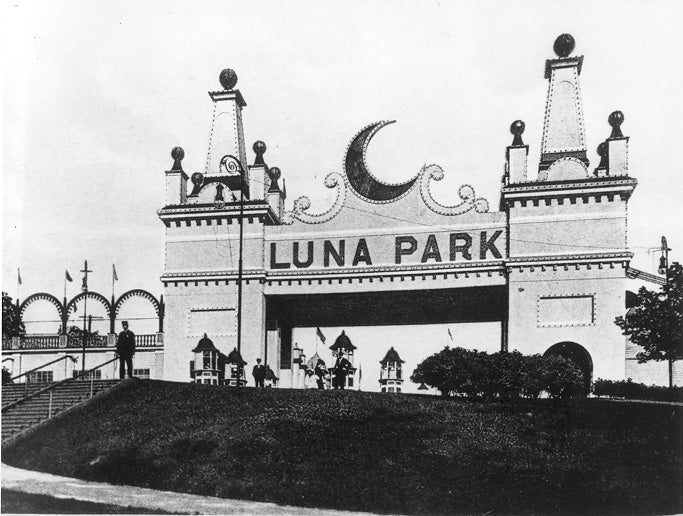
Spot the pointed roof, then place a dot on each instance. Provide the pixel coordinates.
(564, 134)
(342, 343)
(234, 357)
(205, 344)
(391, 356)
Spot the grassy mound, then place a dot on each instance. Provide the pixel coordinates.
(368, 451)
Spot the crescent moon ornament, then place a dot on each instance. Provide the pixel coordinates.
(360, 178)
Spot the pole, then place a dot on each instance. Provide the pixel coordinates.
(85, 310)
(239, 282)
(665, 256)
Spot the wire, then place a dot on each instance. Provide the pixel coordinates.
(442, 228)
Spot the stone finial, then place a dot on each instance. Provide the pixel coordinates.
(274, 174)
(228, 79)
(219, 193)
(616, 118)
(564, 45)
(602, 152)
(517, 129)
(260, 149)
(177, 154)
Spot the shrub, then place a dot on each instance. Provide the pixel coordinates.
(636, 391)
(500, 375)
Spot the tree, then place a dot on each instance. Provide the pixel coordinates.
(12, 325)
(450, 371)
(656, 324)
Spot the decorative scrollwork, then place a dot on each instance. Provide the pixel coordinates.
(465, 192)
(302, 204)
(230, 165)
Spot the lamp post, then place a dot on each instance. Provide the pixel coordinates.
(239, 279)
(664, 270)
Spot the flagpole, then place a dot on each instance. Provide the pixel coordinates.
(85, 311)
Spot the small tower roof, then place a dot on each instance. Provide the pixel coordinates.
(342, 343)
(234, 357)
(391, 356)
(205, 344)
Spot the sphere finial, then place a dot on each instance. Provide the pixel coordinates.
(228, 79)
(564, 45)
(604, 161)
(274, 173)
(260, 149)
(602, 150)
(177, 153)
(517, 129)
(615, 119)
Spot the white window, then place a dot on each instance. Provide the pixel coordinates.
(40, 376)
(141, 373)
(97, 374)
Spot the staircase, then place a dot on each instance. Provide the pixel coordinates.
(24, 415)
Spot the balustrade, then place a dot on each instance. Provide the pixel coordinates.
(39, 342)
(74, 341)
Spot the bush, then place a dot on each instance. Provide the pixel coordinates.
(636, 391)
(459, 371)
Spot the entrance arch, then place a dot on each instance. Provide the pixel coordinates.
(577, 354)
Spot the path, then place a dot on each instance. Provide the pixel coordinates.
(64, 487)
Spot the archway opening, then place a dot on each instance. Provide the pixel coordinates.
(580, 356)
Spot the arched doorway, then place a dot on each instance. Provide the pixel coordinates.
(577, 354)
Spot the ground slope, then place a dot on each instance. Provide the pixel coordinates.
(368, 451)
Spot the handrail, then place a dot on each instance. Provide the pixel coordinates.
(40, 367)
(54, 386)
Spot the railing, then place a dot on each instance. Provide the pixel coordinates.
(28, 373)
(75, 341)
(144, 341)
(51, 388)
(39, 342)
(92, 341)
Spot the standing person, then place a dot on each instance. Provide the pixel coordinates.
(320, 371)
(342, 367)
(125, 349)
(259, 373)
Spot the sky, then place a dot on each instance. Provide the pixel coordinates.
(96, 94)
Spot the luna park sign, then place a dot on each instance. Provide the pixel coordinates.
(390, 249)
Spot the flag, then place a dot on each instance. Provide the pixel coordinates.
(68, 276)
(320, 335)
(113, 269)
(18, 276)
(450, 334)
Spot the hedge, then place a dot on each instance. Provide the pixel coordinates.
(475, 374)
(636, 391)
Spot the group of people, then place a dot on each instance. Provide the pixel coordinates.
(320, 374)
(261, 373)
(125, 349)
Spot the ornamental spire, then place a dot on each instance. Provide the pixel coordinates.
(226, 137)
(564, 134)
